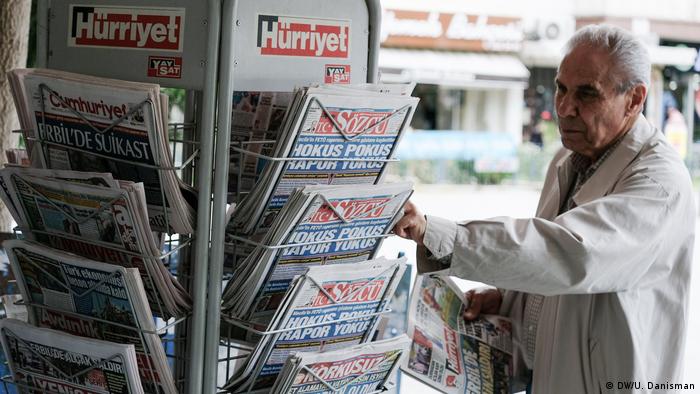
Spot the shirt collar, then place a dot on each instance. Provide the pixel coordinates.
(584, 167)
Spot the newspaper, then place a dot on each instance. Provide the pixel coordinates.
(49, 361)
(99, 179)
(326, 225)
(84, 123)
(364, 368)
(255, 124)
(17, 156)
(13, 308)
(328, 308)
(330, 136)
(96, 217)
(452, 355)
(91, 299)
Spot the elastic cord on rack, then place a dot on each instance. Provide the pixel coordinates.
(275, 247)
(102, 207)
(182, 166)
(161, 331)
(358, 377)
(65, 375)
(355, 291)
(270, 158)
(130, 253)
(349, 137)
(248, 326)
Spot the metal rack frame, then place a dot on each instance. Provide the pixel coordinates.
(204, 115)
(209, 242)
(372, 318)
(220, 180)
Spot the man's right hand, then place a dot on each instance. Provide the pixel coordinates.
(412, 225)
(484, 300)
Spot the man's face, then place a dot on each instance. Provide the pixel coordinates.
(591, 113)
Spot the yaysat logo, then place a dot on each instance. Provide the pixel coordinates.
(337, 73)
(127, 28)
(164, 67)
(294, 36)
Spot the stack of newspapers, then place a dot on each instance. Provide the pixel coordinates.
(91, 299)
(48, 361)
(449, 354)
(331, 135)
(319, 225)
(85, 123)
(97, 217)
(256, 118)
(328, 308)
(364, 368)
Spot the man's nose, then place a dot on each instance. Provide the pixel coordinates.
(566, 106)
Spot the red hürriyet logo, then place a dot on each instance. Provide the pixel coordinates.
(126, 27)
(295, 36)
(164, 67)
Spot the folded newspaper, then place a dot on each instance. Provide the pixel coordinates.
(452, 355)
(79, 122)
(49, 361)
(328, 308)
(256, 118)
(97, 217)
(363, 368)
(322, 225)
(330, 136)
(91, 299)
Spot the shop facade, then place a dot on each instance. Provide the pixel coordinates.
(489, 67)
(468, 76)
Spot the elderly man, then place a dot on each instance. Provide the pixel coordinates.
(597, 283)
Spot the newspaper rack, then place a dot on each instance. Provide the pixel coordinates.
(211, 38)
(247, 152)
(248, 326)
(36, 137)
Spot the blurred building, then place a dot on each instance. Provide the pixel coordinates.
(488, 66)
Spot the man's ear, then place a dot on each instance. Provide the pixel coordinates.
(636, 97)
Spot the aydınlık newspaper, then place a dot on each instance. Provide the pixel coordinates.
(330, 136)
(135, 148)
(69, 211)
(329, 225)
(49, 361)
(363, 368)
(452, 355)
(91, 299)
(328, 308)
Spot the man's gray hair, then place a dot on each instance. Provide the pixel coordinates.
(631, 63)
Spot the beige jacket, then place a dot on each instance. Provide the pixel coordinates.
(615, 270)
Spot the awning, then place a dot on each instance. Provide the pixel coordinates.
(682, 57)
(542, 54)
(459, 69)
